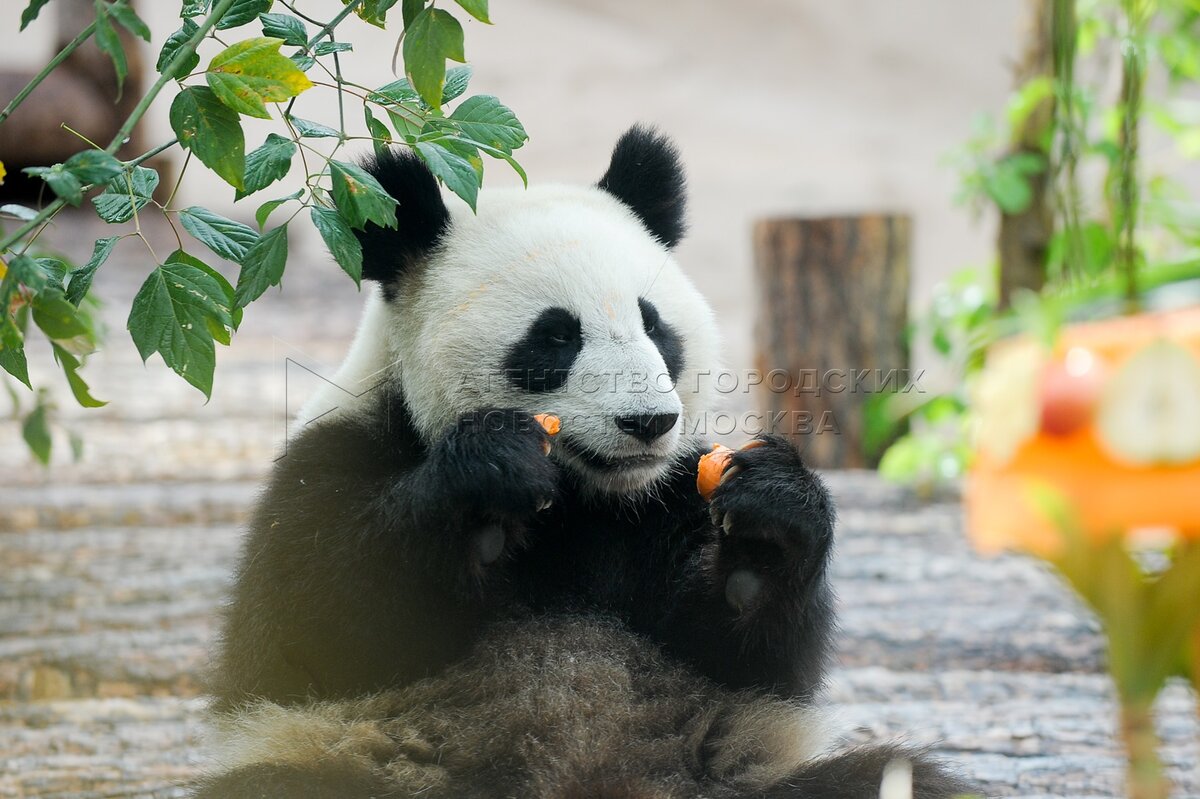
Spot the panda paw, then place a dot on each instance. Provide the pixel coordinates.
(493, 464)
(774, 518)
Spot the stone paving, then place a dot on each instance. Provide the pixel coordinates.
(112, 570)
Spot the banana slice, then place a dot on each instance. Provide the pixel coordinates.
(1150, 410)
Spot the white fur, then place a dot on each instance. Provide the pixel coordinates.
(444, 338)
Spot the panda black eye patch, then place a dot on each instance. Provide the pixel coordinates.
(669, 343)
(540, 361)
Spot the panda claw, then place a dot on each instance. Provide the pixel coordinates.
(545, 503)
(727, 525)
(730, 472)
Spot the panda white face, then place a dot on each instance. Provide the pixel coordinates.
(557, 300)
(561, 300)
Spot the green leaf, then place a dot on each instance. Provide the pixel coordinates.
(57, 317)
(286, 27)
(173, 45)
(407, 125)
(457, 79)
(360, 198)
(194, 8)
(266, 209)
(262, 267)
(326, 48)
(31, 12)
(64, 185)
(12, 351)
(25, 271)
(79, 387)
(379, 132)
(130, 21)
(485, 119)
(432, 37)
(410, 9)
(340, 239)
(55, 271)
(94, 166)
(267, 163)
(374, 11)
(252, 73)
(476, 8)
(1008, 183)
(243, 11)
(173, 314)
(126, 195)
(36, 433)
(228, 239)
(453, 170)
(212, 131)
(79, 281)
(303, 61)
(398, 91)
(219, 331)
(110, 43)
(314, 130)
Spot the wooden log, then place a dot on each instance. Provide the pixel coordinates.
(833, 306)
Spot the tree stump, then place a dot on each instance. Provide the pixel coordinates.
(831, 330)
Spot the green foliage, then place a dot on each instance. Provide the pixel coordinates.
(252, 73)
(175, 43)
(1139, 232)
(434, 36)
(185, 308)
(212, 131)
(31, 12)
(340, 240)
(178, 312)
(228, 239)
(126, 194)
(262, 266)
(360, 198)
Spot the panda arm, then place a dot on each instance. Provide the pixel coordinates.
(367, 562)
(749, 601)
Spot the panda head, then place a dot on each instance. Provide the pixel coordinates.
(556, 299)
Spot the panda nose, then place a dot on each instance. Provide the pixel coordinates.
(647, 426)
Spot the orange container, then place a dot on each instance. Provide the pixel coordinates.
(1107, 494)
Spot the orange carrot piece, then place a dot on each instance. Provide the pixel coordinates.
(551, 423)
(712, 466)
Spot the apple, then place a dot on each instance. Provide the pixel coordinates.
(1150, 411)
(1069, 391)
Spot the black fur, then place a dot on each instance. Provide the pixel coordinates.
(669, 343)
(421, 216)
(646, 174)
(540, 361)
(363, 570)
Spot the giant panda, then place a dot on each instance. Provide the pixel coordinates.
(438, 599)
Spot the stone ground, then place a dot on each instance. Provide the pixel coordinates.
(113, 569)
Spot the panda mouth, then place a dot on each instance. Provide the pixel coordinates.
(607, 463)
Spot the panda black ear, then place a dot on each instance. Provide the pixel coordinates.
(646, 175)
(421, 215)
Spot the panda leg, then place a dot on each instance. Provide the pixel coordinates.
(333, 780)
(858, 774)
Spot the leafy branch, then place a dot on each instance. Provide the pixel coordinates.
(185, 307)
